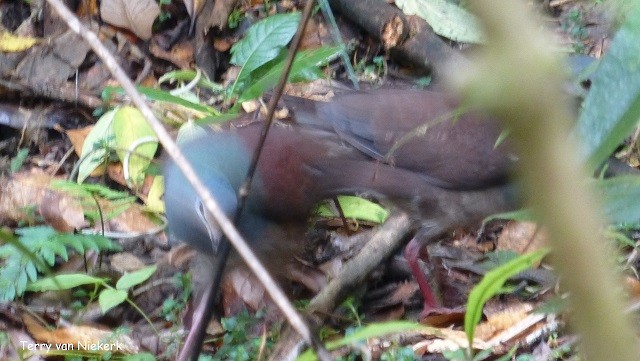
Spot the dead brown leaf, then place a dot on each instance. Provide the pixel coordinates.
(521, 237)
(315, 35)
(220, 13)
(77, 137)
(502, 320)
(26, 192)
(133, 220)
(447, 340)
(61, 211)
(124, 262)
(181, 54)
(116, 173)
(137, 16)
(240, 287)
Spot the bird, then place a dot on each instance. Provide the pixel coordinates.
(450, 175)
(422, 131)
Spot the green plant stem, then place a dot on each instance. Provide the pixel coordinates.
(337, 38)
(518, 77)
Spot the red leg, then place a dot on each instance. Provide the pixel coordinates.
(412, 254)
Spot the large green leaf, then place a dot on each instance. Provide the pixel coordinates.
(111, 298)
(356, 208)
(136, 142)
(129, 280)
(304, 60)
(620, 196)
(162, 96)
(96, 145)
(63, 282)
(446, 18)
(491, 285)
(262, 43)
(612, 107)
(264, 40)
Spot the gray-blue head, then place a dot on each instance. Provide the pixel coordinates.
(221, 161)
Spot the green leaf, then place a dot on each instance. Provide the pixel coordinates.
(18, 160)
(262, 43)
(620, 197)
(136, 142)
(63, 282)
(21, 260)
(31, 271)
(612, 107)
(491, 285)
(110, 298)
(135, 278)
(304, 61)
(86, 190)
(83, 242)
(370, 331)
(356, 208)
(264, 40)
(164, 96)
(96, 146)
(446, 18)
(519, 215)
(57, 248)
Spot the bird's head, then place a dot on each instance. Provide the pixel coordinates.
(221, 161)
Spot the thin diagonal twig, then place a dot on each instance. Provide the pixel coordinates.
(169, 145)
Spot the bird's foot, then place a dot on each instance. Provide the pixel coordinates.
(412, 255)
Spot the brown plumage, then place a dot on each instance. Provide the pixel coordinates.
(449, 176)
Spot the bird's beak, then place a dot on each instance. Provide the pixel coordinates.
(210, 225)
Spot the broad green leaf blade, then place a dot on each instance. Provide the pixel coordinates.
(356, 208)
(612, 107)
(154, 202)
(304, 60)
(163, 96)
(621, 197)
(491, 285)
(136, 142)
(262, 43)
(63, 282)
(86, 190)
(135, 278)
(264, 40)
(110, 298)
(446, 18)
(96, 145)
